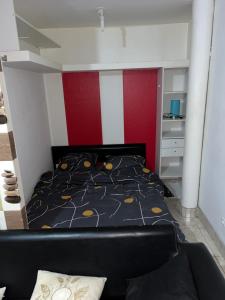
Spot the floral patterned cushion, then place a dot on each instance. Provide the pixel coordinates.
(55, 286)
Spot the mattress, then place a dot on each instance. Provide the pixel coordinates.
(97, 198)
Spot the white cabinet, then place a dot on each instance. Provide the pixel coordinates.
(172, 85)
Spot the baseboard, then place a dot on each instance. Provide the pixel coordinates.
(188, 213)
(212, 233)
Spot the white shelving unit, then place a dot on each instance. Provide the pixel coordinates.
(172, 84)
(17, 34)
(174, 93)
(27, 60)
(171, 171)
(27, 32)
(128, 65)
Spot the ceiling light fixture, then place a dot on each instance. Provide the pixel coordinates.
(100, 11)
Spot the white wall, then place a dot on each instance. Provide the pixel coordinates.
(27, 46)
(29, 119)
(56, 109)
(126, 44)
(212, 183)
(8, 30)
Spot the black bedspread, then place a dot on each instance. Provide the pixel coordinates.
(92, 198)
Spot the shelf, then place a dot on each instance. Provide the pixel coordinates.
(175, 81)
(179, 134)
(171, 171)
(30, 61)
(173, 84)
(27, 60)
(174, 92)
(32, 35)
(174, 120)
(123, 66)
(175, 186)
(7, 165)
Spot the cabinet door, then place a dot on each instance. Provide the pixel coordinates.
(83, 111)
(140, 99)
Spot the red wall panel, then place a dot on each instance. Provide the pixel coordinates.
(82, 105)
(140, 98)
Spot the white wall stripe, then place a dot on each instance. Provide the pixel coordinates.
(56, 109)
(111, 94)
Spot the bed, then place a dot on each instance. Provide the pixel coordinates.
(99, 186)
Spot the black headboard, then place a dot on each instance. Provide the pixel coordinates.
(117, 149)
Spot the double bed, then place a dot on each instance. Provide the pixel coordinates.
(99, 186)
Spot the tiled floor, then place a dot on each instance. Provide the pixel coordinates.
(195, 231)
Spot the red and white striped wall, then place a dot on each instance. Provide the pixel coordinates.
(106, 107)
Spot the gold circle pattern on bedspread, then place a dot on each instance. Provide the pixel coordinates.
(66, 197)
(88, 213)
(109, 166)
(87, 164)
(156, 210)
(129, 200)
(146, 171)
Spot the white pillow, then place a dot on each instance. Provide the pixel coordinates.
(2, 291)
(57, 286)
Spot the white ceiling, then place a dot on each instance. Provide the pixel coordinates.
(81, 13)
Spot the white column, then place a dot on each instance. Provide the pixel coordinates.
(202, 18)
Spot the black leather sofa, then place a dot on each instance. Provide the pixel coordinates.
(114, 253)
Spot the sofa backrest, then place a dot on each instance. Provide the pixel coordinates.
(115, 253)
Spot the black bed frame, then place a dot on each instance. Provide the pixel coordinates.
(117, 149)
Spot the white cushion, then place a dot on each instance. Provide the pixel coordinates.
(57, 286)
(2, 291)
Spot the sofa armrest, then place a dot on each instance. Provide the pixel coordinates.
(210, 282)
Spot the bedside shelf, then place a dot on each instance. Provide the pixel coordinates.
(171, 172)
(172, 84)
(173, 134)
(174, 92)
(175, 186)
(174, 120)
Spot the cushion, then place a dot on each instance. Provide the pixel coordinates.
(2, 291)
(123, 161)
(172, 281)
(78, 161)
(57, 286)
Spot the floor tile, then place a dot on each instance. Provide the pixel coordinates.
(221, 261)
(194, 231)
